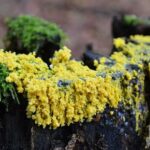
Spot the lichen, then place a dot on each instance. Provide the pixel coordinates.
(131, 63)
(54, 104)
(70, 92)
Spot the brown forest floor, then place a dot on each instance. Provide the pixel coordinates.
(85, 21)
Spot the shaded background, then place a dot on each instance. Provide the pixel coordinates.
(85, 21)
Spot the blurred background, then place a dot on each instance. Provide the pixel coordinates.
(84, 21)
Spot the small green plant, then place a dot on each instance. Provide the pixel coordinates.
(7, 90)
(134, 20)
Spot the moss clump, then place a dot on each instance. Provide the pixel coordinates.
(7, 90)
(132, 20)
(32, 34)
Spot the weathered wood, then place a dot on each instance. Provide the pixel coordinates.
(89, 56)
(15, 130)
(18, 133)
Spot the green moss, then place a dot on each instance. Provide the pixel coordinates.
(31, 32)
(134, 20)
(7, 90)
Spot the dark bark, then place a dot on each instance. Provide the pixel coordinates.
(105, 132)
(89, 56)
(45, 51)
(15, 129)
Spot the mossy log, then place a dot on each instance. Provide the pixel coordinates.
(126, 25)
(27, 34)
(114, 128)
(121, 26)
